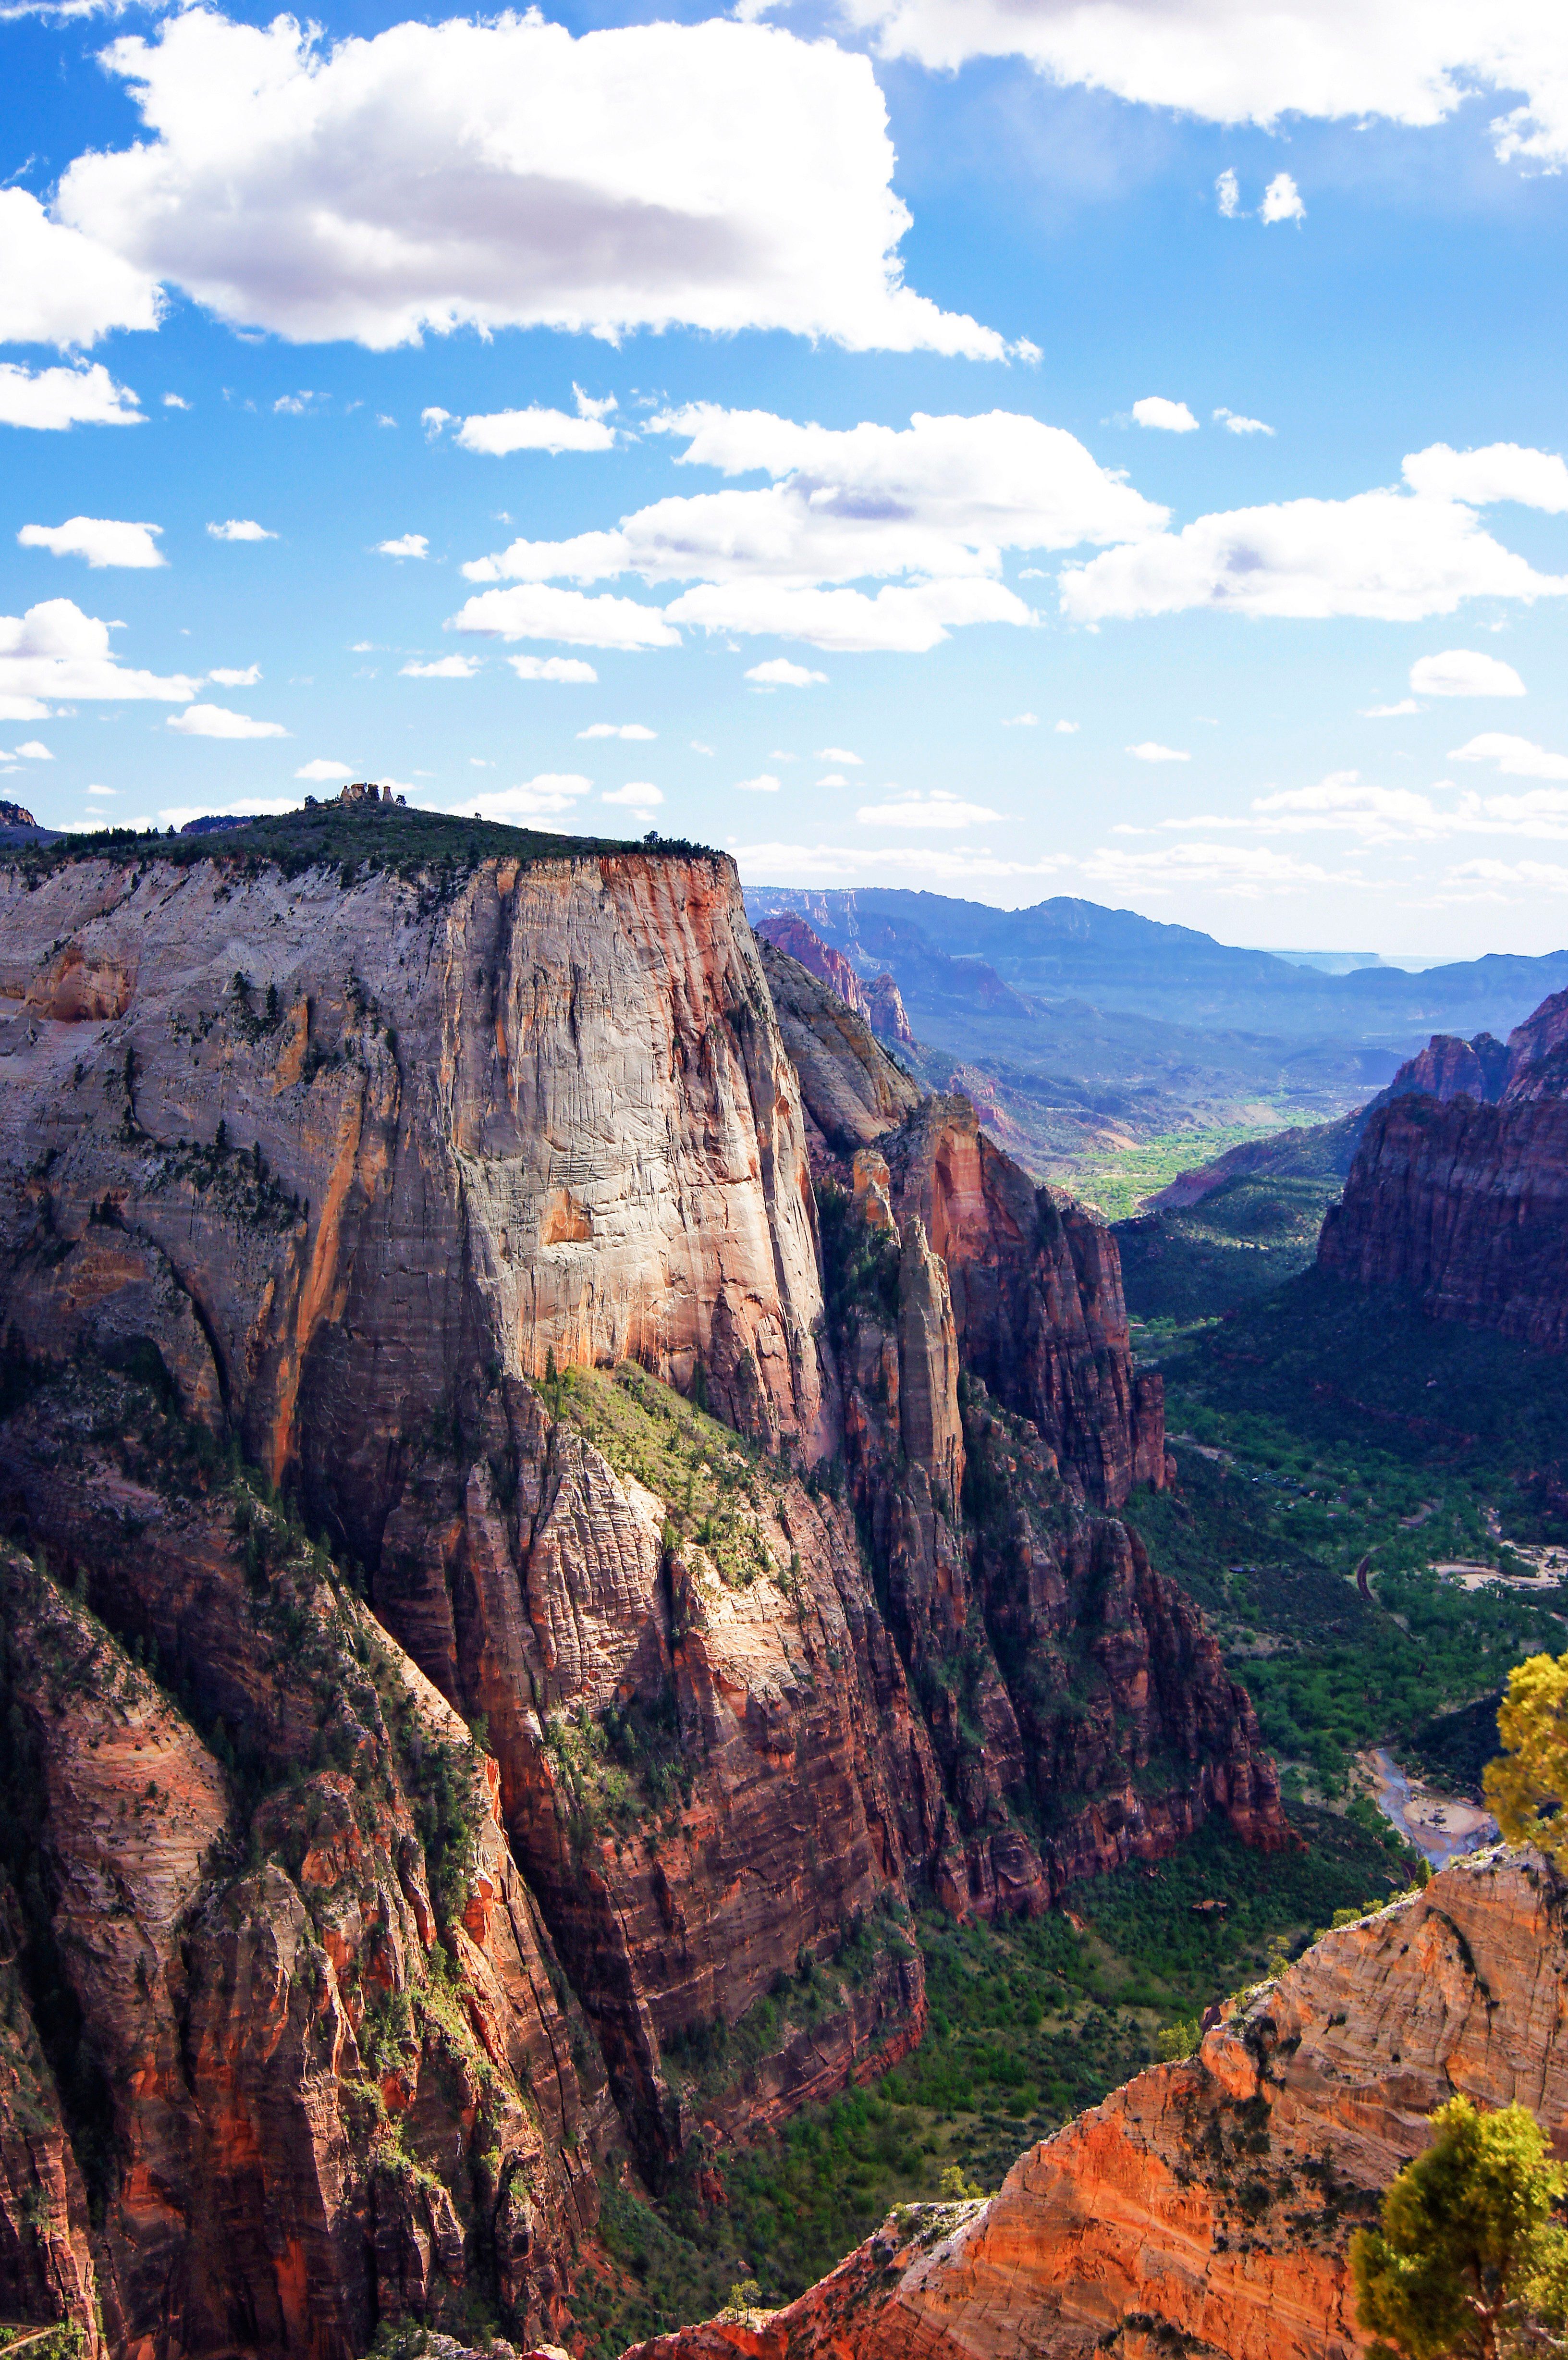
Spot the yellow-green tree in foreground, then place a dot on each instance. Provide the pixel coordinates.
(1527, 1786)
(1468, 2263)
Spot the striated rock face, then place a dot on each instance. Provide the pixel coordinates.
(1037, 1296)
(455, 1204)
(889, 1018)
(1079, 1710)
(1449, 1067)
(852, 1092)
(333, 2082)
(1208, 2206)
(378, 1139)
(1460, 1194)
(792, 935)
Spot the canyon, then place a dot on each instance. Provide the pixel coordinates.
(547, 1484)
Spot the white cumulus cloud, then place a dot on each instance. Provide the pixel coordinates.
(1411, 62)
(568, 670)
(1151, 750)
(232, 679)
(637, 795)
(1246, 872)
(502, 173)
(60, 287)
(442, 668)
(928, 508)
(410, 544)
(617, 729)
(1022, 721)
(534, 430)
(765, 783)
(546, 796)
(241, 529)
(1395, 556)
(839, 754)
(912, 809)
(323, 769)
(1067, 728)
(1464, 671)
(1516, 757)
(217, 721)
(536, 610)
(1228, 193)
(1281, 201)
(102, 541)
(54, 650)
(54, 398)
(1235, 424)
(1171, 417)
(779, 673)
(1391, 712)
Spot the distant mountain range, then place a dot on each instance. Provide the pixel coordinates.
(1068, 948)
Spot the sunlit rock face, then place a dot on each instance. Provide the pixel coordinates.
(1208, 2206)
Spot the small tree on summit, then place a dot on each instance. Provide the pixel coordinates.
(1468, 2263)
(1527, 1785)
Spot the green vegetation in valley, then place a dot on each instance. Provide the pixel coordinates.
(1116, 1180)
(1242, 1241)
(1030, 2021)
(1345, 1432)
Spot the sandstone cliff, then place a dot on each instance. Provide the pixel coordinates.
(879, 1002)
(475, 1208)
(311, 2063)
(1459, 1190)
(1207, 2206)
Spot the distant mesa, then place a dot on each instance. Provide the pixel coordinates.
(13, 815)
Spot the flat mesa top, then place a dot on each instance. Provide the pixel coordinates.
(347, 834)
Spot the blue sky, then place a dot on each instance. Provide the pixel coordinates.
(1220, 574)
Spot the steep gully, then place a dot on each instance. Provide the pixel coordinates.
(352, 2004)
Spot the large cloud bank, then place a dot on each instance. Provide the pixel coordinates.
(501, 173)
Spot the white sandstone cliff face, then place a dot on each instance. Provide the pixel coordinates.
(549, 1112)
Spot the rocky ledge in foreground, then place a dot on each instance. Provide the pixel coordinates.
(1207, 2207)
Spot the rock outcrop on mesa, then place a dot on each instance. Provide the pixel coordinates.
(592, 1653)
(1207, 2207)
(1459, 1191)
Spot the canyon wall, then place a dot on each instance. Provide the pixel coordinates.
(1208, 2206)
(595, 1654)
(1459, 1190)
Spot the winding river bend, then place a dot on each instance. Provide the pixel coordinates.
(1441, 1826)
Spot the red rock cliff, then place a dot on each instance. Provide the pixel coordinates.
(1465, 1202)
(1208, 2206)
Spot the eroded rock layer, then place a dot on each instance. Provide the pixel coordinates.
(1207, 2207)
(1459, 1190)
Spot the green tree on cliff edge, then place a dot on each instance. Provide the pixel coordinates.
(1527, 1786)
(1468, 2261)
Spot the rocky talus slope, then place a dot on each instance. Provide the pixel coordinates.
(1207, 2207)
(1459, 1190)
(555, 1616)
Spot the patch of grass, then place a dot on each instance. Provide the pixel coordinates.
(1118, 1180)
(716, 1487)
